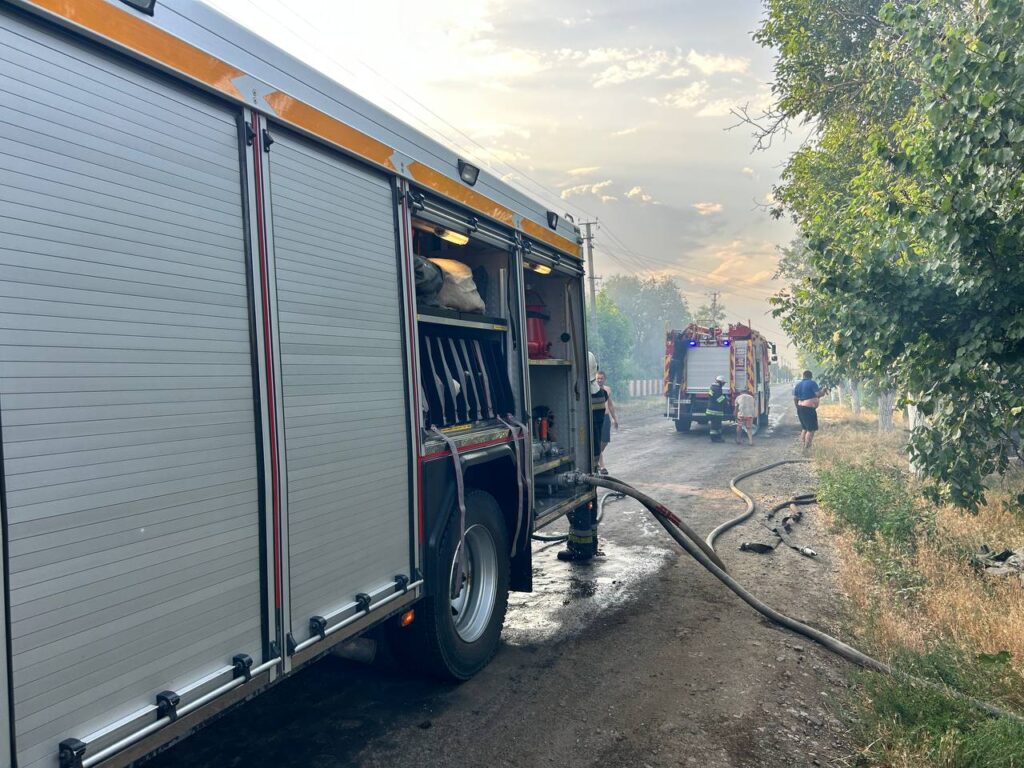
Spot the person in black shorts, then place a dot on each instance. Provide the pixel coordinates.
(609, 419)
(805, 397)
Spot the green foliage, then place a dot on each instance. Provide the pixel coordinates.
(872, 499)
(910, 208)
(652, 305)
(710, 315)
(612, 341)
(939, 727)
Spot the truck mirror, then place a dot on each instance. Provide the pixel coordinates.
(775, 358)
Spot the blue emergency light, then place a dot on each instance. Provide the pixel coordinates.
(725, 343)
(693, 342)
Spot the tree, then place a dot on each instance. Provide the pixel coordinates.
(711, 313)
(652, 304)
(910, 200)
(612, 342)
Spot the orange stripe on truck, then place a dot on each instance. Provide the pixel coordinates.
(456, 190)
(537, 232)
(122, 27)
(301, 115)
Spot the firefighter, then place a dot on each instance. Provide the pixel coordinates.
(716, 409)
(581, 543)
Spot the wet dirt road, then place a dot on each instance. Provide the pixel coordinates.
(639, 658)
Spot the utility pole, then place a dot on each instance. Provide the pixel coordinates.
(714, 306)
(588, 238)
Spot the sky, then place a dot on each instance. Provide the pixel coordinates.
(610, 111)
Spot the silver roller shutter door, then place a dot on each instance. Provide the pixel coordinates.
(703, 364)
(125, 388)
(346, 433)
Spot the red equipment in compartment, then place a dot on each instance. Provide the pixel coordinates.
(537, 345)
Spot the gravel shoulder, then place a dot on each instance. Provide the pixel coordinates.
(639, 658)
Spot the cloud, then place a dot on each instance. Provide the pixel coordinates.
(685, 98)
(587, 189)
(707, 209)
(742, 264)
(675, 74)
(575, 22)
(584, 171)
(510, 157)
(491, 130)
(638, 66)
(748, 172)
(637, 193)
(624, 65)
(626, 132)
(717, 108)
(711, 64)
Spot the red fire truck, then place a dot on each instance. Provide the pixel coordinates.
(695, 355)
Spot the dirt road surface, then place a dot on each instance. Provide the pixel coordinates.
(639, 658)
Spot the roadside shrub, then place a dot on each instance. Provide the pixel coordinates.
(871, 499)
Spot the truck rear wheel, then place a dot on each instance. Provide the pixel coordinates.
(453, 638)
(682, 425)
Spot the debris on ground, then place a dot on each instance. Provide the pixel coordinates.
(1004, 563)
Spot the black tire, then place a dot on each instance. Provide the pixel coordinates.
(455, 639)
(682, 425)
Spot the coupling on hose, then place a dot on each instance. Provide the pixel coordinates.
(570, 479)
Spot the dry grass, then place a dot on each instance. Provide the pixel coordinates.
(955, 601)
(915, 599)
(845, 438)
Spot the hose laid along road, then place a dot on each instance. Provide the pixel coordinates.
(703, 552)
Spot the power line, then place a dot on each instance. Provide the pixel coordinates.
(626, 257)
(549, 195)
(696, 274)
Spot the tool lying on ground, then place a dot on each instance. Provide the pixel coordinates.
(783, 527)
(703, 552)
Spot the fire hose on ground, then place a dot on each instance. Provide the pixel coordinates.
(703, 552)
(604, 499)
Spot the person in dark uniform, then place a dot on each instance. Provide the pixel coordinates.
(581, 543)
(716, 409)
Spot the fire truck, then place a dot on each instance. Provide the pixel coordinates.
(696, 355)
(238, 425)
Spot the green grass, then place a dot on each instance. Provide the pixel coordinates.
(872, 500)
(904, 723)
(940, 729)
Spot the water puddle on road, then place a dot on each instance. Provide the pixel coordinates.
(568, 597)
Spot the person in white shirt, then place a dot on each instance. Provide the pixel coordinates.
(746, 410)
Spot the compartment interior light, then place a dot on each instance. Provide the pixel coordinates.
(447, 235)
(540, 269)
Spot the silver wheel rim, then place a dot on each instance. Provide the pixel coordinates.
(473, 604)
